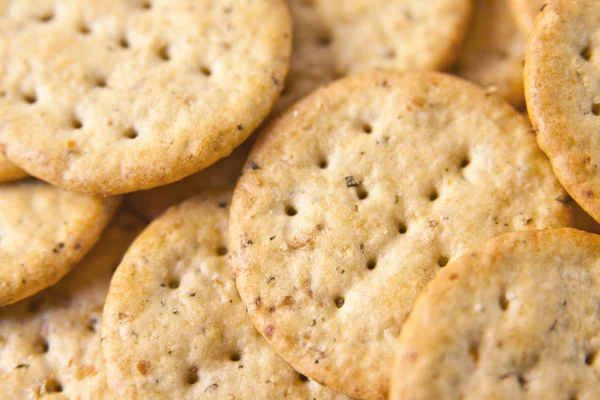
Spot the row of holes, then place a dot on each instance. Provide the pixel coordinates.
(586, 54)
(192, 373)
(49, 16)
(372, 263)
(174, 283)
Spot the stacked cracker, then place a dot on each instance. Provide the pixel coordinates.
(399, 233)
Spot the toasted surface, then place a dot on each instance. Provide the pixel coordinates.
(517, 319)
(562, 76)
(9, 171)
(351, 202)
(395, 34)
(115, 96)
(311, 66)
(493, 51)
(175, 326)
(525, 11)
(312, 63)
(44, 232)
(50, 343)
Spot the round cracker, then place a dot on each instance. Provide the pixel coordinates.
(312, 63)
(50, 343)
(353, 200)
(115, 96)
(44, 231)
(525, 11)
(311, 66)
(395, 34)
(563, 95)
(517, 319)
(493, 51)
(174, 325)
(9, 171)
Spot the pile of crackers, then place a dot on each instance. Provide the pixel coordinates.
(299, 199)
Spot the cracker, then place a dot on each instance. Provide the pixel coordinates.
(44, 232)
(395, 34)
(311, 66)
(9, 171)
(50, 343)
(517, 319)
(175, 326)
(493, 51)
(312, 63)
(562, 86)
(357, 196)
(525, 11)
(115, 96)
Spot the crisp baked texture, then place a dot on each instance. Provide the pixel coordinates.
(357, 196)
(313, 62)
(562, 91)
(175, 326)
(525, 11)
(311, 66)
(517, 319)
(493, 51)
(395, 34)
(50, 343)
(116, 96)
(44, 232)
(9, 171)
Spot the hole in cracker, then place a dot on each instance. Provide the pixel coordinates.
(47, 17)
(164, 53)
(367, 128)
(91, 327)
(30, 98)
(124, 43)
(361, 193)
(503, 301)
(303, 378)
(85, 29)
(290, 211)
(596, 109)
(324, 40)
(402, 228)
(522, 382)
(192, 375)
(339, 302)
(76, 122)
(590, 358)
(433, 195)
(173, 283)
(130, 133)
(323, 163)
(464, 163)
(51, 385)
(371, 264)
(574, 396)
(474, 352)
(443, 261)
(100, 82)
(146, 5)
(204, 70)
(222, 251)
(586, 53)
(42, 345)
(236, 356)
